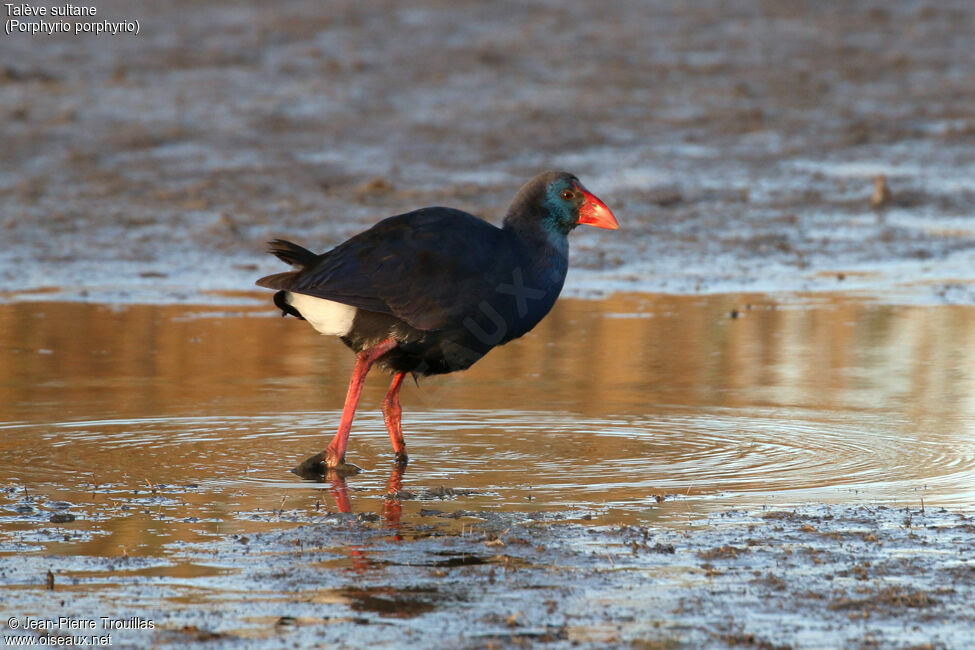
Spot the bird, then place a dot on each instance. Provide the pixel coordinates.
(431, 291)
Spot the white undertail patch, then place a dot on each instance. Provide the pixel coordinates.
(326, 316)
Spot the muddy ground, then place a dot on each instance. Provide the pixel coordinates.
(738, 143)
(810, 577)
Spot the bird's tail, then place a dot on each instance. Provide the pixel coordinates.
(294, 255)
(291, 253)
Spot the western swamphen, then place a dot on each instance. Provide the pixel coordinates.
(432, 291)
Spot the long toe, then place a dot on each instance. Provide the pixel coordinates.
(316, 467)
(345, 469)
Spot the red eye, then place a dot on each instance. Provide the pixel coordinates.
(568, 195)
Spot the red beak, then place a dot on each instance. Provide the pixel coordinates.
(595, 213)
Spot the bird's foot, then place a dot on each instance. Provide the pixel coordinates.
(322, 464)
(402, 459)
(345, 469)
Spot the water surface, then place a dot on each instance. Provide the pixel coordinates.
(154, 425)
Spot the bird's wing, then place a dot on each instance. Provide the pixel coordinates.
(429, 268)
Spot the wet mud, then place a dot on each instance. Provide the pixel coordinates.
(814, 577)
(738, 145)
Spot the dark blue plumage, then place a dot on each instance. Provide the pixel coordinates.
(433, 290)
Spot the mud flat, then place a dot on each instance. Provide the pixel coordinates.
(738, 146)
(809, 577)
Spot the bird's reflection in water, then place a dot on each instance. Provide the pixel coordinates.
(392, 506)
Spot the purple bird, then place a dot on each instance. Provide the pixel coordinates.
(432, 291)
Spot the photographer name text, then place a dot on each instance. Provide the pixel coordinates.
(74, 624)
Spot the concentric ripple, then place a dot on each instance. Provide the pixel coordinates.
(691, 458)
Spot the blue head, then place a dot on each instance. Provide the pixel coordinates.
(556, 202)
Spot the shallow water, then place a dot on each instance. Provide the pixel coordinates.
(156, 425)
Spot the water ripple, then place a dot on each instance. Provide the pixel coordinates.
(560, 457)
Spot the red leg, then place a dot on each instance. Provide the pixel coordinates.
(391, 413)
(335, 453)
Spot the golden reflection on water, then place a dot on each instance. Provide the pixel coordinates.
(180, 422)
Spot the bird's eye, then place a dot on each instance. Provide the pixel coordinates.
(568, 195)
